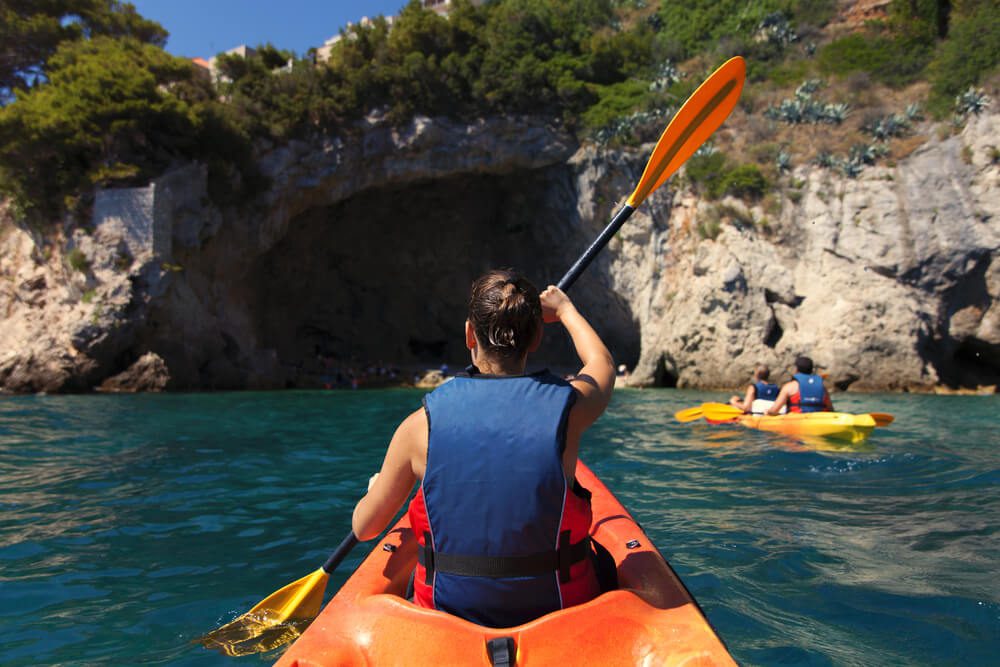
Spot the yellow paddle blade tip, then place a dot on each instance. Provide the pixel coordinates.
(276, 620)
(688, 414)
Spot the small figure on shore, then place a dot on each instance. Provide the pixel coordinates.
(497, 470)
(804, 393)
(760, 394)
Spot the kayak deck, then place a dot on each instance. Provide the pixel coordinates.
(840, 426)
(834, 425)
(650, 620)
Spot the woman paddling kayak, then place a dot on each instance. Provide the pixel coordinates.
(502, 525)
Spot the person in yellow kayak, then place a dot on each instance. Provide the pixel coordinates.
(501, 523)
(804, 392)
(760, 393)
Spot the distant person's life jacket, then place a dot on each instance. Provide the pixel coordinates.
(502, 538)
(765, 390)
(810, 395)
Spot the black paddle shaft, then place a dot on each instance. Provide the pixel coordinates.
(602, 240)
(340, 552)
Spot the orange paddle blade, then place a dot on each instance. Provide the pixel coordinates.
(698, 118)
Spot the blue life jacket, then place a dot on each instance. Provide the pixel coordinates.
(497, 544)
(810, 396)
(765, 391)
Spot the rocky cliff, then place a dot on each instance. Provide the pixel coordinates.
(361, 250)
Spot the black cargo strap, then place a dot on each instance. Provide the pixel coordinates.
(533, 565)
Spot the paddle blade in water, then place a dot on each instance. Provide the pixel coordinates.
(701, 115)
(274, 621)
(688, 414)
(882, 418)
(720, 411)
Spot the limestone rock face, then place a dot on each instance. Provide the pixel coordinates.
(887, 281)
(359, 253)
(148, 374)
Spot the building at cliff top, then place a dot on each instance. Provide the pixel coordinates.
(441, 7)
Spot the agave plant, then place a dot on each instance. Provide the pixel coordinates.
(812, 112)
(826, 160)
(791, 111)
(886, 127)
(835, 114)
(707, 148)
(783, 162)
(913, 112)
(808, 87)
(865, 153)
(775, 28)
(972, 101)
(850, 168)
(666, 75)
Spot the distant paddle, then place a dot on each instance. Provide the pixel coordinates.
(689, 414)
(280, 617)
(691, 126)
(713, 411)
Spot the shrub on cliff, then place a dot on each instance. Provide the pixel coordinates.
(745, 181)
(895, 51)
(971, 51)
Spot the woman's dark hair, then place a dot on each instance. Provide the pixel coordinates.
(505, 312)
(762, 372)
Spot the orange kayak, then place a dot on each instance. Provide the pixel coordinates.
(650, 620)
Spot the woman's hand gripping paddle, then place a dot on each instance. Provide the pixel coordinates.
(278, 618)
(697, 119)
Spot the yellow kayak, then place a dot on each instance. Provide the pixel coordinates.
(834, 425)
(839, 426)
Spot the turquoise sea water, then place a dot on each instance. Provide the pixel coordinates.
(130, 525)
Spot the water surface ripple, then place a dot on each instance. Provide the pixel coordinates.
(130, 525)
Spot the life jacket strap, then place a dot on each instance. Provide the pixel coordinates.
(495, 567)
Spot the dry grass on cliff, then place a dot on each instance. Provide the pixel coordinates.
(750, 136)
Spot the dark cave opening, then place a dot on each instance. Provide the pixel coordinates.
(665, 374)
(382, 278)
(774, 333)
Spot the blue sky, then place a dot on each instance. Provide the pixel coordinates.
(206, 27)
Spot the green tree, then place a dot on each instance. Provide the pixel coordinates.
(112, 109)
(32, 30)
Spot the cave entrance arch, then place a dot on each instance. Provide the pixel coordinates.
(381, 279)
